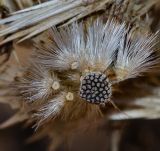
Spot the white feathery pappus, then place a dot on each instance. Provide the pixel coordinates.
(71, 75)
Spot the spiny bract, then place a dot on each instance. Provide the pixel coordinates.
(76, 69)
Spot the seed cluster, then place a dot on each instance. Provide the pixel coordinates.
(95, 88)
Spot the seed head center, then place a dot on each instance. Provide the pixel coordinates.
(95, 88)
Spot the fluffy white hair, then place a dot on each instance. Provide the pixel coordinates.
(37, 83)
(136, 55)
(70, 51)
(95, 45)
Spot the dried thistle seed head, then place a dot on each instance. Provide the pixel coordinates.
(136, 55)
(38, 83)
(77, 47)
(84, 51)
(95, 88)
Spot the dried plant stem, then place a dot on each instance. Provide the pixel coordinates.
(47, 14)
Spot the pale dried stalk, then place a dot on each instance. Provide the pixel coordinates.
(14, 5)
(46, 15)
(149, 109)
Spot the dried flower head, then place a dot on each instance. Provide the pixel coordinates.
(136, 55)
(95, 88)
(38, 84)
(75, 71)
